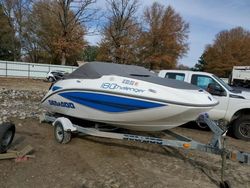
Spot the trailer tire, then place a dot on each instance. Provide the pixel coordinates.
(61, 136)
(241, 127)
(7, 133)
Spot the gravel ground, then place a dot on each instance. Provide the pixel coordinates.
(97, 162)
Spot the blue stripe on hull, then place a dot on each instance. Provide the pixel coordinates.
(108, 103)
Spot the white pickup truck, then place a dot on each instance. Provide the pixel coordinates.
(234, 105)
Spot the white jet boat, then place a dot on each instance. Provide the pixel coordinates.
(126, 96)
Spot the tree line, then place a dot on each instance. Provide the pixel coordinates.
(45, 31)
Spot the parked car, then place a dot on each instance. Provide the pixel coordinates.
(55, 75)
(234, 107)
(7, 133)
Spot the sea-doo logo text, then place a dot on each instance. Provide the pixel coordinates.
(115, 86)
(61, 104)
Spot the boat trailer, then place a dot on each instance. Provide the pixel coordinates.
(63, 128)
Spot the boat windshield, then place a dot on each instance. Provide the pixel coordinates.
(223, 83)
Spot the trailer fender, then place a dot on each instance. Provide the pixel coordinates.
(66, 123)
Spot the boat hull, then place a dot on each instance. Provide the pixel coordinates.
(121, 111)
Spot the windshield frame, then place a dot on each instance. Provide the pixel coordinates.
(223, 83)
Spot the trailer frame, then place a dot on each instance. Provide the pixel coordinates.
(63, 127)
(215, 145)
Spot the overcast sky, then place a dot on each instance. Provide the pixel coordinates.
(206, 19)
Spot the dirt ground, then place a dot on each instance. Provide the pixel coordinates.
(24, 84)
(88, 162)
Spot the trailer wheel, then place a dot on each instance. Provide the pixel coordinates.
(241, 128)
(7, 133)
(61, 136)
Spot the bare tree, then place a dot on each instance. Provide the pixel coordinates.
(121, 31)
(71, 14)
(50, 37)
